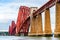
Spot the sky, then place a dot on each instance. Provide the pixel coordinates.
(9, 11)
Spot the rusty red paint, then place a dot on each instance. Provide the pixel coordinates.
(12, 28)
(22, 16)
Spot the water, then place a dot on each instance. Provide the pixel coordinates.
(27, 38)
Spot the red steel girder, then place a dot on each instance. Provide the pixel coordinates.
(22, 16)
(25, 27)
(12, 28)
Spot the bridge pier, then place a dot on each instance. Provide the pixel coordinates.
(38, 24)
(57, 28)
(32, 27)
(32, 22)
(47, 28)
(35, 24)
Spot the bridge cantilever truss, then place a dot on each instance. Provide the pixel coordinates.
(37, 15)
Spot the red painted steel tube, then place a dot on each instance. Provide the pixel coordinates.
(22, 16)
(12, 28)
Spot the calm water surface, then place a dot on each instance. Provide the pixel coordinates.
(27, 38)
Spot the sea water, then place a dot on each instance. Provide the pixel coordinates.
(27, 38)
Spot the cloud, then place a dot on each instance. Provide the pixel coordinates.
(7, 12)
(4, 24)
(3, 30)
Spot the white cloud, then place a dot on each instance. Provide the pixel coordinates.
(8, 16)
(3, 30)
(8, 12)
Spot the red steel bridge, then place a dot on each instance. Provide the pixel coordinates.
(25, 22)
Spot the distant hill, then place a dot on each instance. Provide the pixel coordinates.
(4, 33)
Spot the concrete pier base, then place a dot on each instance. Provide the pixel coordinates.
(47, 28)
(56, 34)
(38, 24)
(36, 27)
(32, 28)
(57, 28)
(48, 35)
(35, 24)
